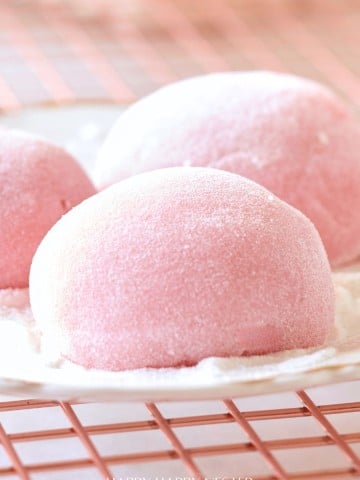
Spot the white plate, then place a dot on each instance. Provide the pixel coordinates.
(30, 374)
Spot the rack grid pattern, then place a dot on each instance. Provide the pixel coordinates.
(62, 51)
(177, 450)
(56, 52)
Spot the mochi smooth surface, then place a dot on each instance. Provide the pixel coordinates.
(291, 135)
(176, 265)
(39, 182)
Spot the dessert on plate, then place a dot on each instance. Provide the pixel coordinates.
(291, 135)
(39, 182)
(172, 266)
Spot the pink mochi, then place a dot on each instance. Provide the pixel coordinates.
(172, 266)
(39, 182)
(291, 135)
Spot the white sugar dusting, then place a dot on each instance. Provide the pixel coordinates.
(323, 138)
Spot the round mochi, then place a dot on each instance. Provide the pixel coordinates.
(39, 182)
(291, 135)
(176, 265)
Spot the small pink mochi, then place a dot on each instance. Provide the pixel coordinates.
(39, 182)
(172, 266)
(291, 135)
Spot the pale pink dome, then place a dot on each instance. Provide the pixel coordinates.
(289, 134)
(39, 182)
(172, 266)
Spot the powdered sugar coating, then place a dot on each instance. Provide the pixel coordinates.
(291, 135)
(14, 298)
(173, 266)
(39, 182)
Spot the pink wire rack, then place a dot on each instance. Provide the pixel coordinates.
(61, 52)
(267, 449)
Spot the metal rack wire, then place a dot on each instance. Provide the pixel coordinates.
(60, 52)
(51, 53)
(169, 427)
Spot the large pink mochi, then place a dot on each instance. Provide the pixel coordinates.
(169, 267)
(291, 135)
(39, 182)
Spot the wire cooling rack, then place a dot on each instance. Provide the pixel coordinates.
(59, 52)
(250, 434)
